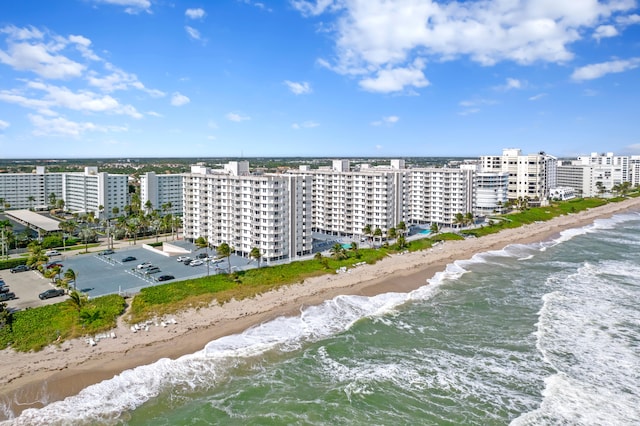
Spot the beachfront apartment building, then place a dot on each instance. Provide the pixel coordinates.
(531, 176)
(163, 191)
(82, 192)
(347, 200)
(271, 212)
(595, 175)
(344, 201)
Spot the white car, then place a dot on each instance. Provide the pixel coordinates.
(183, 258)
(52, 253)
(144, 265)
(197, 262)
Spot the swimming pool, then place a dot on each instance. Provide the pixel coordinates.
(425, 231)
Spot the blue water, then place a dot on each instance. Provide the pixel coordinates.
(425, 232)
(540, 334)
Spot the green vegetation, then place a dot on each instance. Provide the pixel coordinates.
(200, 292)
(33, 329)
(535, 214)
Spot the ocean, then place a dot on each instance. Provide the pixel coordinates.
(538, 334)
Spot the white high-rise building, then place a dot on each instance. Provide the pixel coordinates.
(82, 192)
(96, 192)
(271, 212)
(634, 170)
(530, 176)
(163, 191)
(596, 174)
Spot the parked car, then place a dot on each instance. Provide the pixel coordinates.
(129, 259)
(53, 265)
(144, 265)
(106, 252)
(7, 296)
(165, 277)
(183, 258)
(52, 253)
(152, 270)
(201, 256)
(19, 268)
(187, 262)
(54, 292)
(197, 262)
(4, 289)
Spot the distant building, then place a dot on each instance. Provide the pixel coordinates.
(164, 191)
(595, 175)
(82, 192)
(531, 176)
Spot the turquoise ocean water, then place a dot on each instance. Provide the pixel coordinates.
(541, 334)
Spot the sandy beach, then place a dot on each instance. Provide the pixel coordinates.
(36, 379)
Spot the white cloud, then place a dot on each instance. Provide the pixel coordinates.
(537, 97)
(591, 72)
(389, 120)
(232, 116)
(193, 33)
(511, 84)
(395, 80)
(178, 99)
(119, 80)
(60, 126)
(154, 114)
(198, 13)
(305, 125)
(476, 102)
(628, 20)
(62, 97)
(301, 88)
(375, 37)
(26, 51)
(469, 111)
(131, 6)
(4, 124)
(604, 31)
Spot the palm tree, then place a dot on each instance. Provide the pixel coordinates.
(367, 231)
(469, 218)
(434, 228)
(70, 275)
(1, 203)
(132, 226)
(392, 233)
(60, 204)
(377, 234)
(5, 227)
(52, 199)
(86, 234)
(337, 251)
(202, 243)
(148, 206)
(224, 250)
(255, 254)
(31, 199)
(458, 219)
(401, 242)
(402, 227)
(176, 224)
(77, 299)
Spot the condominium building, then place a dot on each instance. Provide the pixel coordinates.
(88, 191)
(345, 201)
(162, 191)
(595, 174)
(634, 170)
(531, 176)
(92, 191)
(269, 212)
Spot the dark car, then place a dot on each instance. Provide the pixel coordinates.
(54, 292)
(128, 259)
(165, 277)
(187, 261)
(202, 256)
(7, 296)
(19, 268)
(53, 265)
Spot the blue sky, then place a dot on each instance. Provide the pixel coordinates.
(331, 78)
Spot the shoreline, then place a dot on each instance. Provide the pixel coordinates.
(32, 380)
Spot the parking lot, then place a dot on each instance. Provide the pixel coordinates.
(98, 275)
